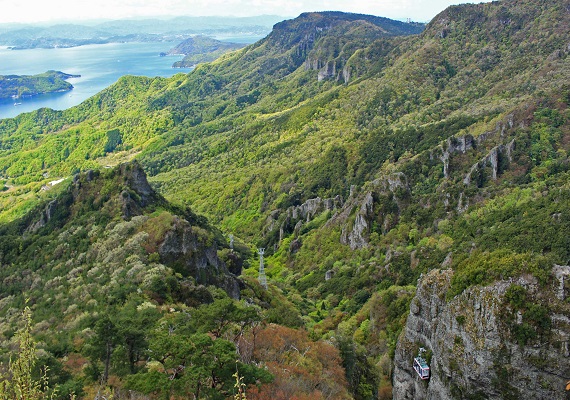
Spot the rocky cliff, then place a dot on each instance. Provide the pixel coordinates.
(328, 42)
(508, 340)
(193, 251)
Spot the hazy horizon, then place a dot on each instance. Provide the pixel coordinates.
(67, 11)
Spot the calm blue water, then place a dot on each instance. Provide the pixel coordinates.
(98, 65)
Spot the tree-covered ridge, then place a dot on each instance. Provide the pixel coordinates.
(358, 161)
(14, 86)
(101, 199)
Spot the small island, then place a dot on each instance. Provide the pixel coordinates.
(16, 86)
(200, 49)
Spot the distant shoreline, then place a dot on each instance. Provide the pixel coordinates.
(97, 65)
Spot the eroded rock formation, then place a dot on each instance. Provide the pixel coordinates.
(473, 351)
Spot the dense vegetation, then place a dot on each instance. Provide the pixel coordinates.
(358, 158)
(13, 86)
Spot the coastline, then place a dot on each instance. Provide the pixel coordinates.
(97, 64)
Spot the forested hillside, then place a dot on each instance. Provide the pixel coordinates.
(360, 153)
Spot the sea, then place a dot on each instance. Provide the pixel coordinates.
(99, 65)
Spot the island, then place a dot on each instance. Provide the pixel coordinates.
(200, 49)
(16, 86)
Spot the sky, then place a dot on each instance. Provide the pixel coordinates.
(27, 11)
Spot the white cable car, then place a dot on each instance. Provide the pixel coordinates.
(420, 365)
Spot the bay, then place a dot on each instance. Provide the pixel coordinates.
(99, 67)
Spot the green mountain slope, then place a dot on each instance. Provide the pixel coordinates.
(171, 107)
(358, 158)
(85, 213)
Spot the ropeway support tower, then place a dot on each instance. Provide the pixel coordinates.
(262, 278)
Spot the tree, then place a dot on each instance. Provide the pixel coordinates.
(120, 338)
(20, 385)
(195, 366)
(303, 369)
(103, 343)
(133, 322)
(222, 315)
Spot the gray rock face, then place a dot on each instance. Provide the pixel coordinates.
(328, 69)
(454, 145)
(135, 178)
(491, 160)
(312, 207)
(44, 217)
(356, 235)
(562, 275)
(462, 144)
(296, 216)
(473, 353)
(358, 212)
(192, 251)
(346, 74)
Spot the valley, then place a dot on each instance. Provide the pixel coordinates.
(408, 184)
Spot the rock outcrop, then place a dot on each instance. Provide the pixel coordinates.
(45, 217)
(470, 343)
(292, 219)
(454, 145)
(376, 204)
(492, 160)
(137, 193)
(326, 41)
(193, 252)
(463, 144)
(355, 235)
(190, 245)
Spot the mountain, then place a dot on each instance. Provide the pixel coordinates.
(200, 49)
(14, 86)
(121, 264)
(409, 186)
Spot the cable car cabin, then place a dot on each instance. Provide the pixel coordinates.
(421, 367)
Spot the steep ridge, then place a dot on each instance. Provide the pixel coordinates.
(113, 228)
